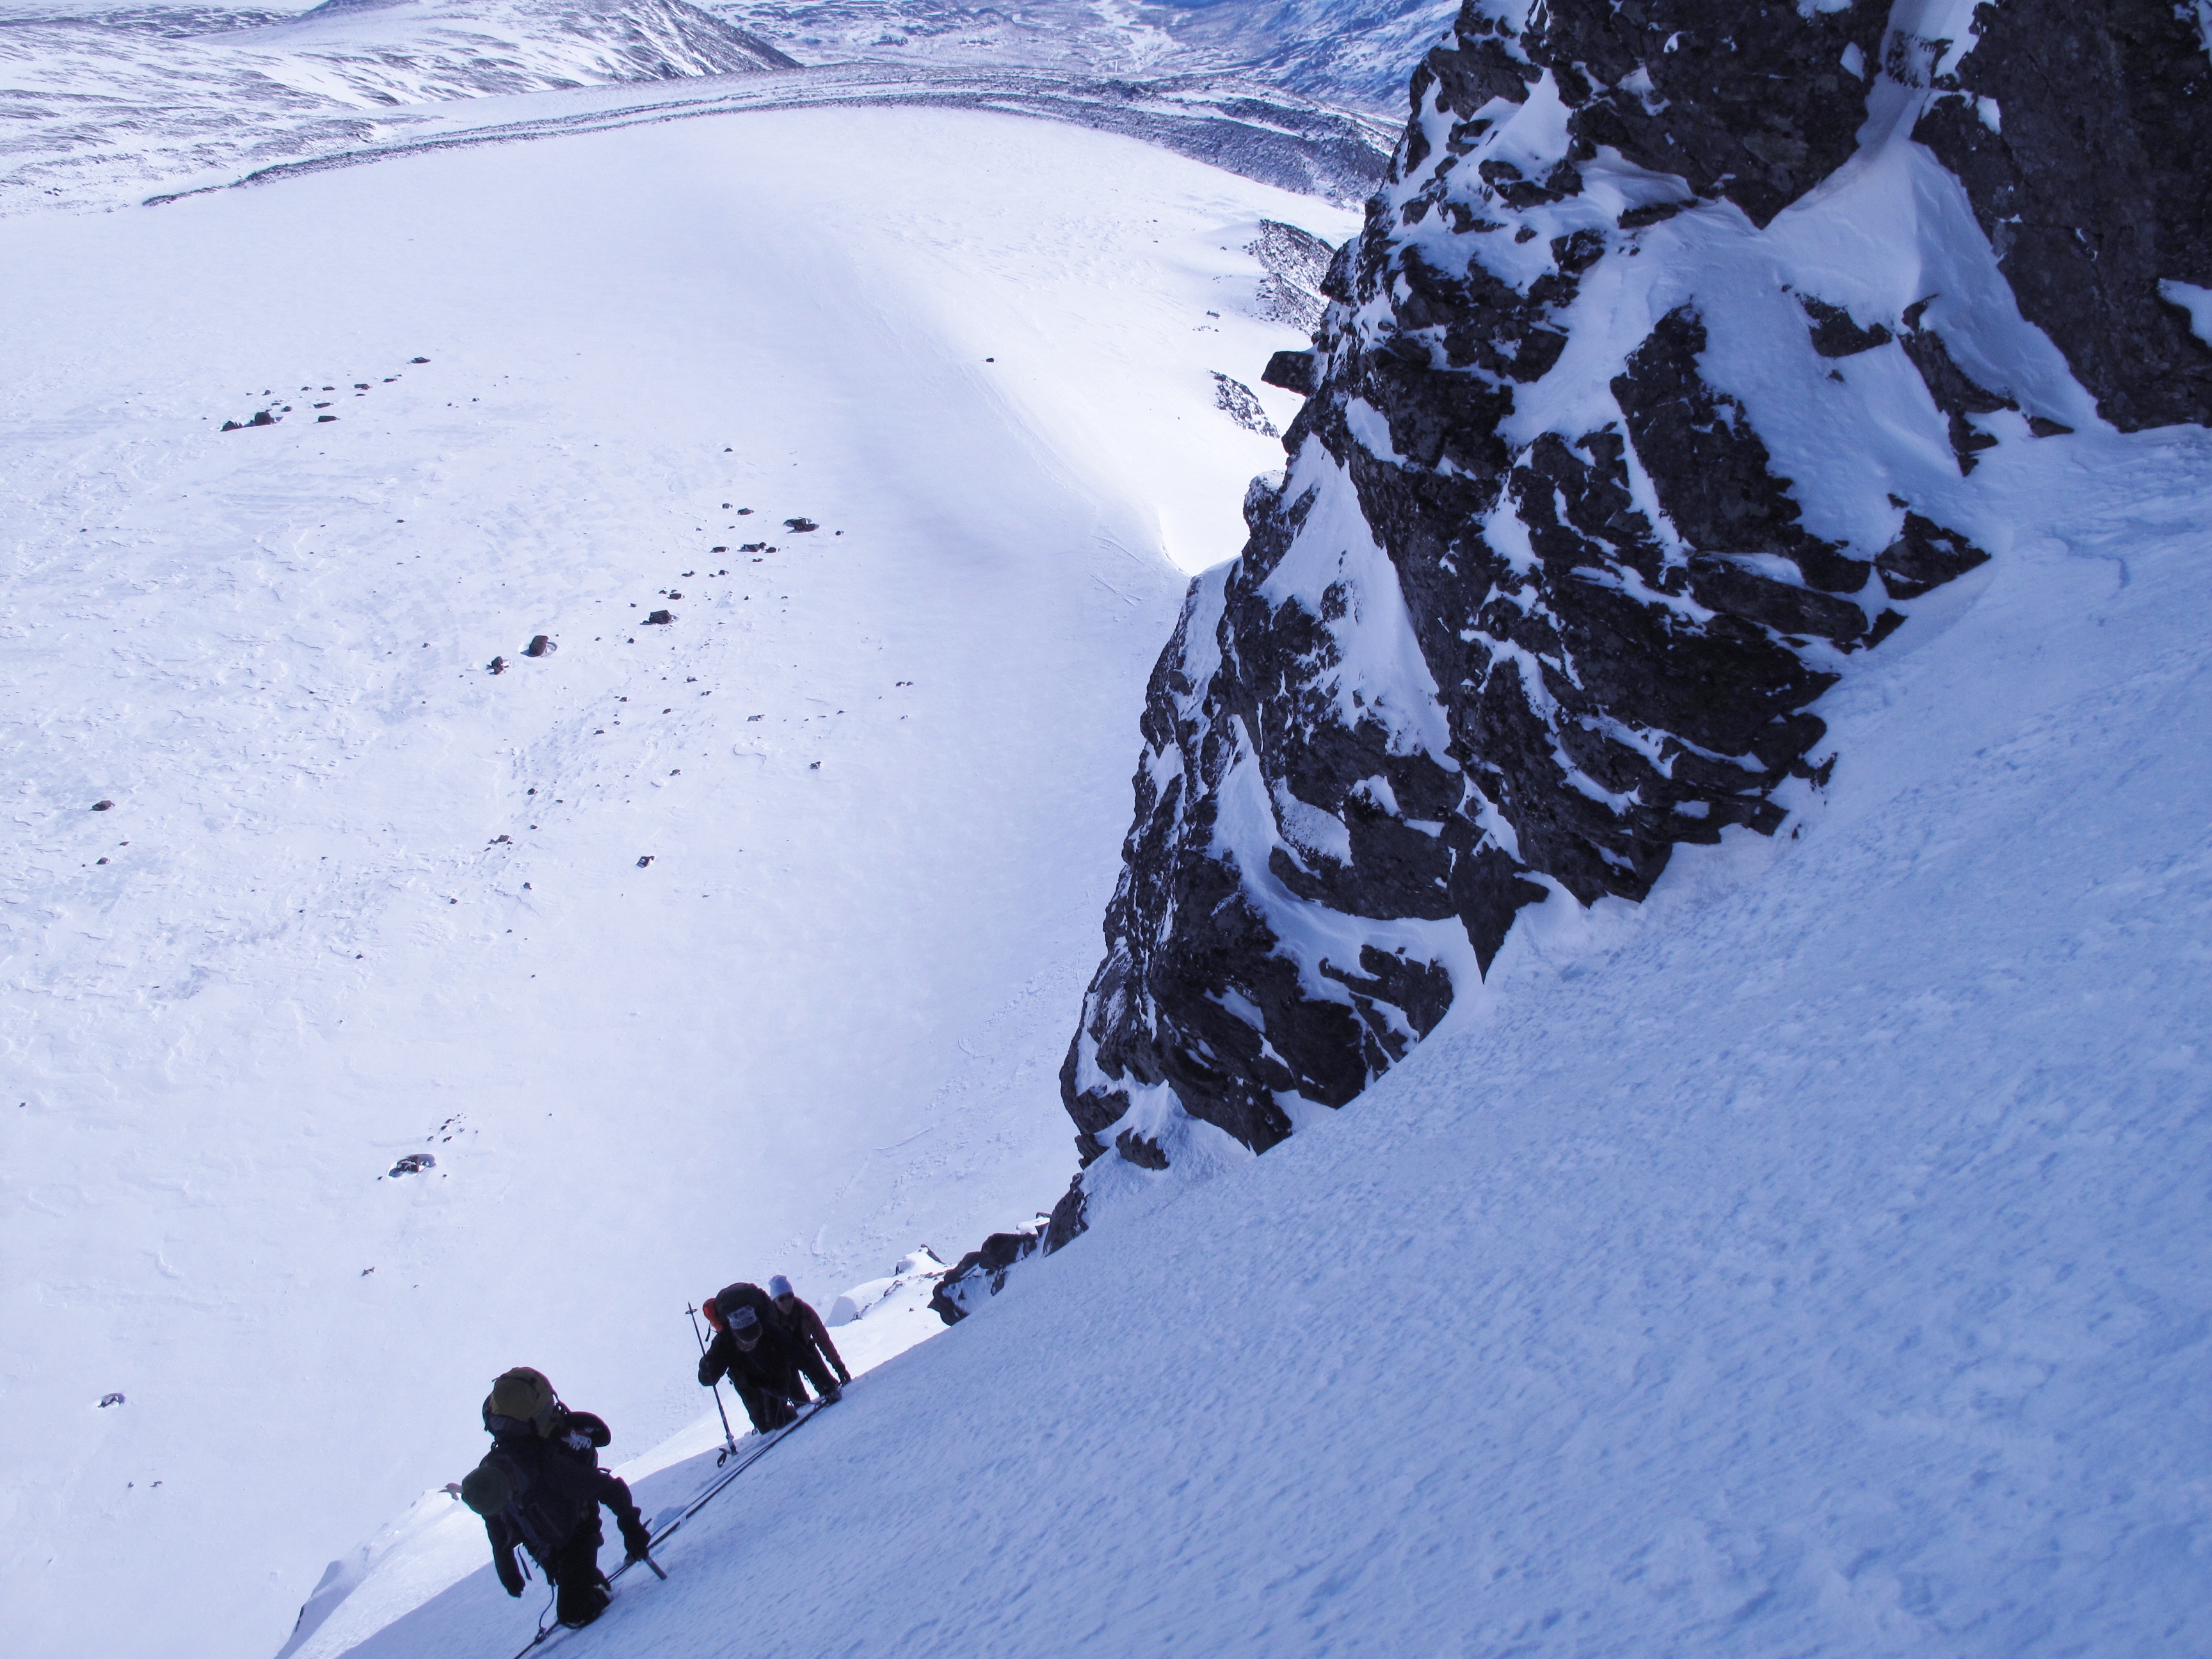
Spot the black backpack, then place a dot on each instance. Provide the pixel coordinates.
(555, 1492)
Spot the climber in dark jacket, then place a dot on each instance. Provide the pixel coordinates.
(541, 1486)
(799, 1323)
(762, 1363)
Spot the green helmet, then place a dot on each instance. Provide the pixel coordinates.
(485, 1490)
(524, 1394)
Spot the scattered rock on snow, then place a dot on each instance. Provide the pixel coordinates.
(644, 860)
(496, 666)
(103, 806)
(107, 1399)
(1924, 558)
(413, 1163)
(1296, 261)
(1235, 400)
(1834, 333)
(800, 526)
(659, 618)
(539, 646)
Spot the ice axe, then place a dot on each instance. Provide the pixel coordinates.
(729, 1440)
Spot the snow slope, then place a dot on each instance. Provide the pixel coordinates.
(878, 773)
(1807, 1261)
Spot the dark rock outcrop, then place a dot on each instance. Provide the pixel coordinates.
(2081, 134)
(1293, 371)
(1602, 641)
(1585, 510)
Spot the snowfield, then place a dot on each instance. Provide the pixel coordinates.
(1809, 1261)
(740, 944)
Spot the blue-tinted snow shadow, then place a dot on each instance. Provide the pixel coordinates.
(476, 1615)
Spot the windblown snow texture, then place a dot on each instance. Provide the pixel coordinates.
(1536, 601)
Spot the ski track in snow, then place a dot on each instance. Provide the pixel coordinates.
(878, 773)
(1807, 1262)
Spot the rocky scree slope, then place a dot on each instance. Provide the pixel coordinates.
(1650, 397)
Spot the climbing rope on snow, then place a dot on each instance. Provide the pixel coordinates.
(769, 1443)
(545, 1629)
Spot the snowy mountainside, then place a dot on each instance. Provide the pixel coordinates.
(1657, 399)
(1806, 1261)
(111, 107)
(118, 108)
(738, 942)
(1352, 53)
(109, 101)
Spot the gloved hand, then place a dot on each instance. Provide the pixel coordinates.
(510, 1576)
(636, 1541)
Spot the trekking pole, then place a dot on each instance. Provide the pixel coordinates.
(729, 1440)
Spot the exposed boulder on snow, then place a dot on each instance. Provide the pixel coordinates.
(1834, 333)
(1536, 602)
(1235, 400)
(1293, 371)
(981, 1274)
(1294, 261)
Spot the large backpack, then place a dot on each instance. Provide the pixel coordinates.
(719, 1306)
(554, 1491)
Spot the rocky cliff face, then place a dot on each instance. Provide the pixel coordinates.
(1600, 486)
(1649, 399)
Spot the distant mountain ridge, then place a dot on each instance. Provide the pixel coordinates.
(124, 104)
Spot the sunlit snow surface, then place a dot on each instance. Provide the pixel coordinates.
(879, 773)
(1809, 1261)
